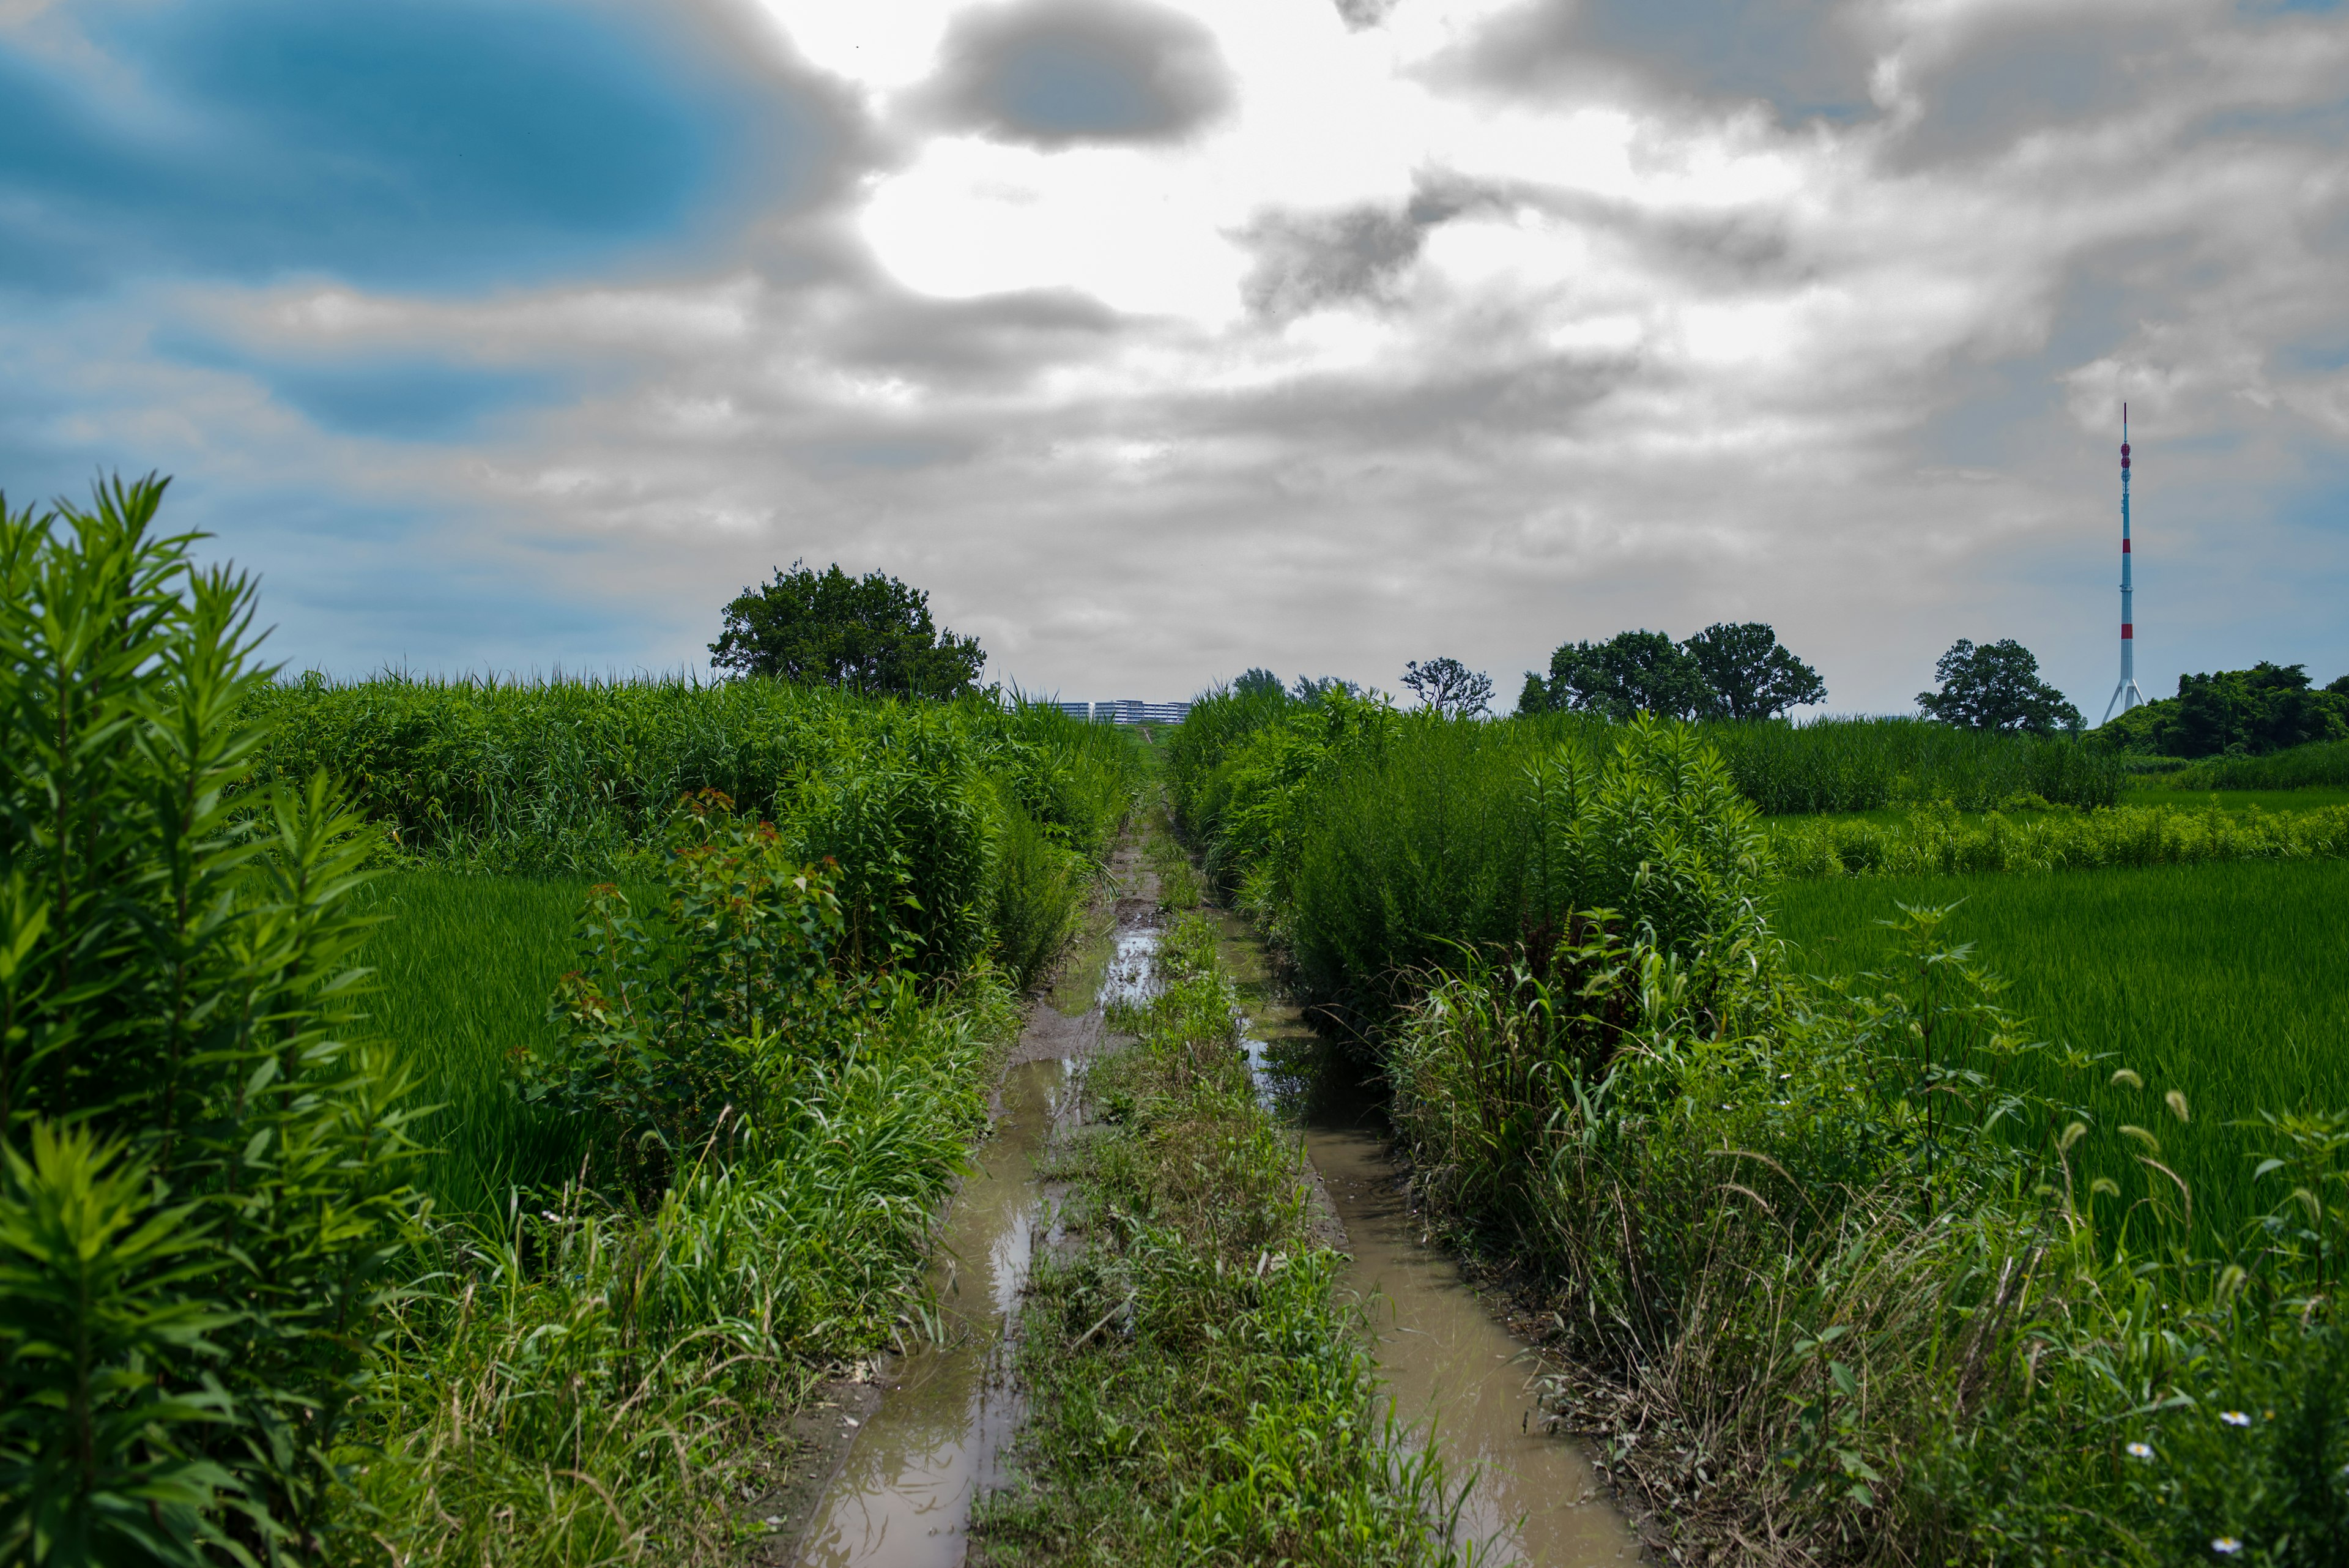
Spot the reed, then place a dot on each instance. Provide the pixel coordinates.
(2325, 765)
(1865, 1268)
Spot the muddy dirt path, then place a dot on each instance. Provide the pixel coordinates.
(1449, 1365)
(917, 1455)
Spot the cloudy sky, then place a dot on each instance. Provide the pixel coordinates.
(1161, 339)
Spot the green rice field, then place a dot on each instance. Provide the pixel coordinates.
(2229, 982)
(465, 970)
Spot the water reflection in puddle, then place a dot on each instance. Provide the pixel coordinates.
(902, 1497)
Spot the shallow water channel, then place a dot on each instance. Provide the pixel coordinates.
(1447, 1364)
(902, 1496)
(941, 1432)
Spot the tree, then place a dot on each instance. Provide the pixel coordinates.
(1257, 682)
(1449, 687)
(1535, 696)
(1995, 687)
(2266, 708)
(1630, 673)
(1749, 672)
(870, 633)
(1314, 687)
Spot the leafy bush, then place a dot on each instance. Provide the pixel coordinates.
(662, 1040)
(204, 1191)
(2236, 713)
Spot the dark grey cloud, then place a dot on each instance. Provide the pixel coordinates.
(1807, 59)
(1053, 72)
(997, 340)
(1305, 260)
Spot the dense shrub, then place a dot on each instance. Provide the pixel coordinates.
(2325, 765)
(915, 802)
(2266, 708)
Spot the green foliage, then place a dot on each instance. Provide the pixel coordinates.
(1448, 686)
(1904, 1279)
(176, 961)
(1725, 671)
(2321, 765)
(2236, 713)
(1196, 1395)
(660, 1042)
(1750, 674)
(90, 1271)
(582, 1382)
(1935, 839)
(1997, 687)
(1630, 673)
(910, 800)
(871, 634)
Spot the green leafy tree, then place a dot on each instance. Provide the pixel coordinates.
(1257, 682)
(1449, 687)
(1749, 674)
(1630, 673)
(1534, 696)
(1995, 687)
(871, 634)
(2266, 708)
(202, 1184)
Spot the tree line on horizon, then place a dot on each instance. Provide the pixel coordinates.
(875, 635)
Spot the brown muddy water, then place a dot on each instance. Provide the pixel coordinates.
(1449, 1366)
(902, 1497)
(947, 1421)
(950, 1410)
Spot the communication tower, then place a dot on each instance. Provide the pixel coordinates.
(2126, 696)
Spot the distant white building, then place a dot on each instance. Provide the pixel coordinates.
(1127, 711)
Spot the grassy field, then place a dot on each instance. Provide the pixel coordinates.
(2224, 981)
(2307, 799)
(465, 970)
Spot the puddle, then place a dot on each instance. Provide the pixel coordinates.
(1443, 1356)
(1440, 1354)
(1131, 978)
(902, 1497)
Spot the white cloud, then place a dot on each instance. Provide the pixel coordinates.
(1537, 362)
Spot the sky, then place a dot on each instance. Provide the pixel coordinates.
(1159, 340)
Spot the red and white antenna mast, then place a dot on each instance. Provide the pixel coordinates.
(2126, 696)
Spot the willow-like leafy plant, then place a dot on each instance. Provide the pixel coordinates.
(176, 959)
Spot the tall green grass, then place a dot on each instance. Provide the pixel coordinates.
(1826, 766)
(2225, 983)
(1919, 1283)
(2325, 765)
(465, 970)
(1935, 839)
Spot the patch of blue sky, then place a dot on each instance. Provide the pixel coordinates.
(389, 397)
(418, 146)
